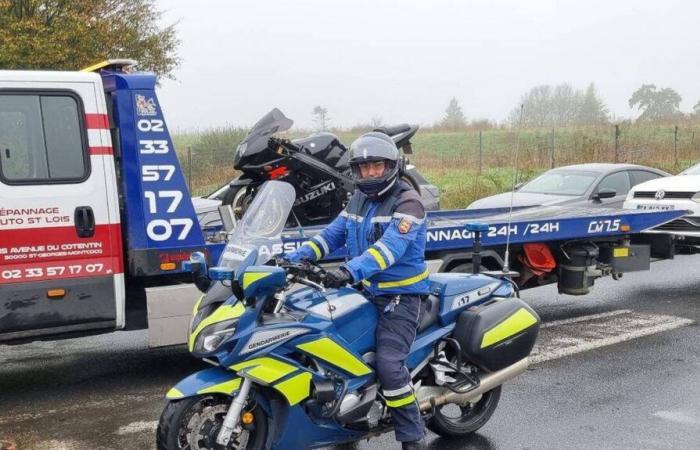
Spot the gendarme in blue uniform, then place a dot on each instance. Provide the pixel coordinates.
(385, 239)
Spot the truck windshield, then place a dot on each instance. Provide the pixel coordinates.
(561, 182)
(261, 227)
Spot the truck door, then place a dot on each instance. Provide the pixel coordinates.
(61, 268)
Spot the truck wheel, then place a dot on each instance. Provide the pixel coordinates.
(460, 421)
(194, 423)
(239, 198)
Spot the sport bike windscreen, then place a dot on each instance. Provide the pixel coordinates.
(256, 140)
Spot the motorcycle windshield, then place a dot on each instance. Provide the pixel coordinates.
(259, 232)
(258, 137)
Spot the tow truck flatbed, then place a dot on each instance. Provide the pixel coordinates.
(447, 229)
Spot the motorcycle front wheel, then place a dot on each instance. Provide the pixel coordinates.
(194, 423)
(460, 421)
(239, 198)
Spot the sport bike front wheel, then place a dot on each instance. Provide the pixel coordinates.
(194, 423)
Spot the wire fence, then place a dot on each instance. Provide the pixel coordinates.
(457, 162)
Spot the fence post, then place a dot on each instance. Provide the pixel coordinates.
(675, 146)
(551, 154)
(481, 153)
(617, 141)
(189, 168)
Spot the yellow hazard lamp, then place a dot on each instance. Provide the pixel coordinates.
(247, 418)
(168, 266)
(56, 293)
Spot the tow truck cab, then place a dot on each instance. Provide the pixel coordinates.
(69, 144)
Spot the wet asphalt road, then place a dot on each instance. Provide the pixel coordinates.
(106, 392)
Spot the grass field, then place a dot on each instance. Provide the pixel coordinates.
(467, 165)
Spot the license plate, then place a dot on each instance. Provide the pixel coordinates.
(656, 207)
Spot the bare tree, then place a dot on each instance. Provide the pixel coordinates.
(558, 106)
(321, 118)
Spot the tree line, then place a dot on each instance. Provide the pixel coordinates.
(562, 105)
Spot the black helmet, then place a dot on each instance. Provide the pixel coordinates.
(374, 146)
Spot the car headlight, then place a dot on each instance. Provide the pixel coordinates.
(211, 337)
(696, 197)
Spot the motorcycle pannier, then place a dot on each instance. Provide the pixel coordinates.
(498, 334)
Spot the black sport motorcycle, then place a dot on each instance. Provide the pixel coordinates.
(316, 166)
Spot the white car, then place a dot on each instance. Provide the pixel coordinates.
(681, 192)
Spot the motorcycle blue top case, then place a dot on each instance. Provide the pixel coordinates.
(293, 361)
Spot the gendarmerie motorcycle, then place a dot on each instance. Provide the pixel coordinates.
(294, 369)
(316, 166)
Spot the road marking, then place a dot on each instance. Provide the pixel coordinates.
(138, 427)
(579, 334)
(685, 418)
(556, 323)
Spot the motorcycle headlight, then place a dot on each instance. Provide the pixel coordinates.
(696, 197)
(211, 337)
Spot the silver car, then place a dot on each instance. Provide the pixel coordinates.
(586, 185)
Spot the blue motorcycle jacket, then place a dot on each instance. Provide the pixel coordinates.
(385, 240)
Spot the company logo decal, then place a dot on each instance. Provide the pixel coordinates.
(145, 106)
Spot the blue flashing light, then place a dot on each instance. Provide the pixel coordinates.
(221, 274)
(478, 226)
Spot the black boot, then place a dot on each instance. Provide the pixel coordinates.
(414, 445)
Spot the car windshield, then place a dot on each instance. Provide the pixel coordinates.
(560, 182)
(692, 170)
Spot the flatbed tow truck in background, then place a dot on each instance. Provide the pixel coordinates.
(96, 217)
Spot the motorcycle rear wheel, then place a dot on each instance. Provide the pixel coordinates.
(460, 421)
(194, 423)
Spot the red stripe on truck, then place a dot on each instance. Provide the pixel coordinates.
(27, 254)
(101, 151)
(99, 121)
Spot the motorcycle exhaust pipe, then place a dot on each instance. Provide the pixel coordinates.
(487, 383)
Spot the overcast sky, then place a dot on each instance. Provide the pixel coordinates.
(403, 60)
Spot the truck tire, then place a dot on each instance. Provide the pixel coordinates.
(206, 413)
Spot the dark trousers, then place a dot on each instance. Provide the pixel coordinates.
(395, 334)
